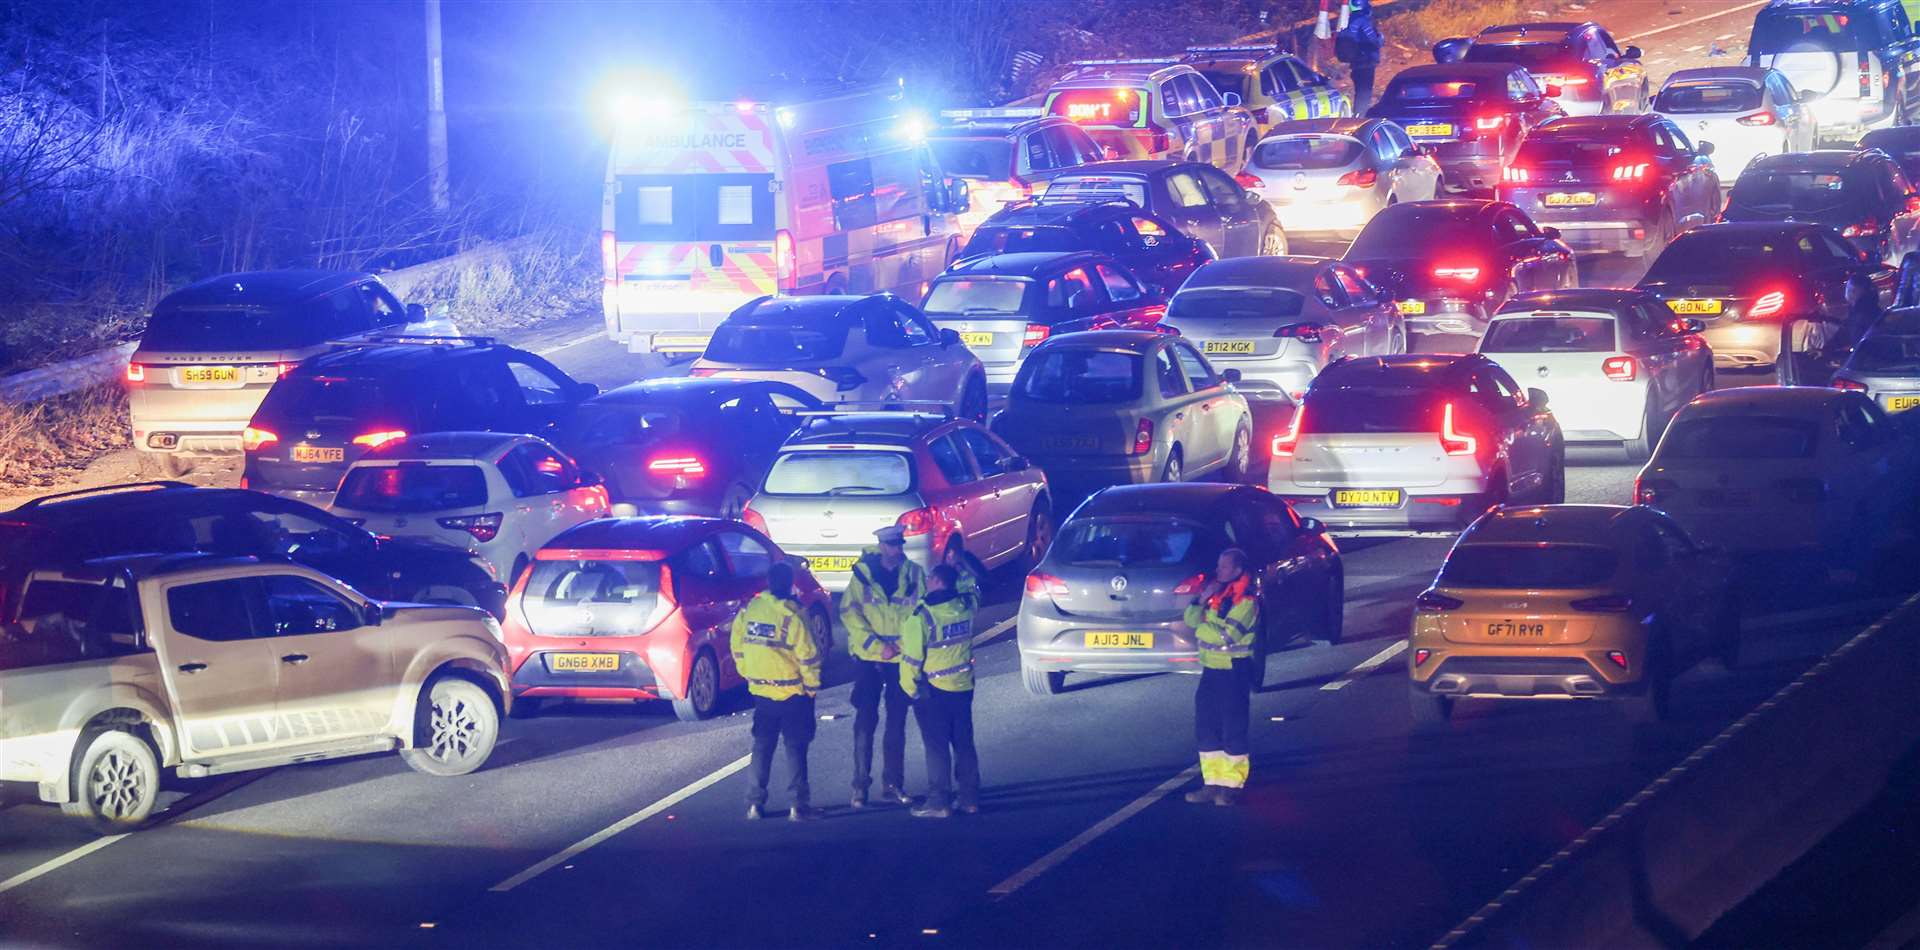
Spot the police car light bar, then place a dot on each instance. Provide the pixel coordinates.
(1158, 61)
(1232, 49)
(1003, 112)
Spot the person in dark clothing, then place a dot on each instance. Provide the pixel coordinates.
(1358, 45)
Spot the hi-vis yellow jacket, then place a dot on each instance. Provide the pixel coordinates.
(936, 645)
(1225, 624)
(873, 619)
(774, 648)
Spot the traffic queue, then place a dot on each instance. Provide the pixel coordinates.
(1064, 341)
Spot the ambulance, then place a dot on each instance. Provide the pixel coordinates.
(709, 205)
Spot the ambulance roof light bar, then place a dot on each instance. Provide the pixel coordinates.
(1196, 51)
(1154, 61)
(1000, 114)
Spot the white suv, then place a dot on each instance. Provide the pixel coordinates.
(498, 496)
(119, 668)
(842, 349)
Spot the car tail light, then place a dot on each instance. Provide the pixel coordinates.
(252, 439)
(917, 522)
(1803, 491)
(1453, 441)
(1298, 331)
(1192, 585)
(1652, 491)
(1045, 585)
(1143, 437)
(754, 519)
(1248, 181)
(136, 373)
(1421, 656)
(1867, 228)
(1848, 385)
(1161, 141)
(1866, 77)
(1514, 175)
(1768, 304)
(1570, 81)
(1286, 442)
(281, 370)
(843, 378)
(1362, 178)
(1604, 604)
(783, 263)
(609, 258)
(1464, 273)
(1631, 171)
(1036, 334)
(682, 470)
(374, 440)
(1432, 601)
(484, 528)
(1617, 658)
(1490, 123)
(1621, 369)
(1758, 118)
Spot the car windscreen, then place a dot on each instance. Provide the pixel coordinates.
(410, 487)
(1549, 335)
(1385, 237)
(1236, 303)
(1125, 542)
(1128, 189)
(1371, 408)
(967, 296)
(811, 341)
(335, 399)
(1430, 90)
(1830, 196)
(1832, 30)
(592, 598)
(1713, 257)
(1740, 437)
(1016, 240)
(1307, 152)
(1077, 375)
(989, 159)
(1536, 57)
(841, 472)
(1887, 354)
(1529, 566)
(1694, 98)
(230, 329)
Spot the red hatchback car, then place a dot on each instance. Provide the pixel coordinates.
(641, 608)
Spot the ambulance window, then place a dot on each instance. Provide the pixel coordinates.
(736, 204)
(897, 185)
(655, 203)
(851, 185)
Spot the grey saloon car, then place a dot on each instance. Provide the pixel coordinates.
(1886, 364)
(1109, 593)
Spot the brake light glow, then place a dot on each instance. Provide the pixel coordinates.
(1758, 118)
(609, 258)
(1489, 123)
(484, 528)
(753, 519)
(1143, 437)
(1617, 658)
(1432, 601)
(252, 439)
(374, 440)
(677, 465)
(1651, 491)
(1453, 441)
(1604, 604)
(1362, 178)
(1621, 369)
(1285, 443)
(1631, 172)
(1465, 274)
(1248, 181)
(1848, 385)
(1036, 334)
(282, 369)
(917, 522)
(1768, 304)
(1867, 228)
(1192, 585)
(1514, 175)
(136, 372)
(783, 264)
(1045, 585)
(1866, 77)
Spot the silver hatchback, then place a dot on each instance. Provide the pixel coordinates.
(844, 476)
(1886, 364)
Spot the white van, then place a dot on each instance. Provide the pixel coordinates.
(710, 205)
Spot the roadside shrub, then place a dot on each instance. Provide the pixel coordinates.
(44, 442)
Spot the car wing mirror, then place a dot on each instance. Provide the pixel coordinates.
(1537, 400)
(1230, 375)
(416, 313)
(1703, 149)
(373, 614)
(585, 391)
(1631, 52)
(1805, 95)
(1452, 49)
(1551, 234)
(1312, 526)
(589, 479)
(949, 336)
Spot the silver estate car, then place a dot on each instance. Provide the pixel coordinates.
(1124, 407)
(1886, 364)
(1417, 443)
(1129, 561)
(1279, 320)
(844, 476)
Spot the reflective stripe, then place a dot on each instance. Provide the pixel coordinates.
(758, 682)
(950, 671)
(1224, 647)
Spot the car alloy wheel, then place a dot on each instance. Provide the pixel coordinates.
(116, 782)
(703, 689)
(457, 727)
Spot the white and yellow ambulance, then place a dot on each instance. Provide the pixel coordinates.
(711, 204)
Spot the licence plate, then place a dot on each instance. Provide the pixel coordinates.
(317, 453)
(1694, 306)
(1902, 403)
(1571, 199)
(210, 375)
(1367, 498)
(1119, 640)
(1411, 307)
(583, 662)
(1228, 346)
(1516, 630)
(1070, 443)
(837, 563)
(679, 343)
(1431, 128)
(977, 339)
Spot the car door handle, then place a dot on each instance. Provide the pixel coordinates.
(192, 667)
(295, 659)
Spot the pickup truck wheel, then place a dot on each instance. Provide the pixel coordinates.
(455, 726)
(115, 783)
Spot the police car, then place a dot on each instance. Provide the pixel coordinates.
(1274, 86)
(1154, 109)
(1006, 154)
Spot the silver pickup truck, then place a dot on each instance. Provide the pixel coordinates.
(122, 667)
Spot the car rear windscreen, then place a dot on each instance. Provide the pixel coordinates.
(228, 330)
(1017, 240)
(1740, 437)
(1072, 375)
(1130, 189)
(1307, 152)
(1834, 30)
(1240, 303)
(1528, 566)
(1372, 408)
(412, 487)
(1129, 542)
(1887, 354)
(592, 598)
(781, 343)
(980, 159)
(1822, 195)
(1588, 157)
(1430, 90)
(986, 296)
(619, 423)
(1692, 98)
(1440, 228)
(1550, 335)
(1536, 57)
(1713, 257)
(335, 399)
(841, 472)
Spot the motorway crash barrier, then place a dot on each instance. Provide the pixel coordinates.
(1702, 838)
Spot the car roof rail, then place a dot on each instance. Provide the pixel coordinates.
(105, 490)
(417, 339)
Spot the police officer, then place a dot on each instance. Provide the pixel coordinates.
(971, 573)
(884, 590)
(1358, 45)
(1224, 619)
(775, 651)
(936, 669)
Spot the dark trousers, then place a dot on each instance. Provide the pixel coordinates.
(1221, 708)
(946, 728)
(776, 720)
(871, 680)
(1362, 88)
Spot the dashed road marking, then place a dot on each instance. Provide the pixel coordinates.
(995, 630)
(576, 341)
(1369, 665)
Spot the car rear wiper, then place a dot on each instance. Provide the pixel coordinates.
(849, 489)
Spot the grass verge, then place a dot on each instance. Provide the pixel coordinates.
(43, 443)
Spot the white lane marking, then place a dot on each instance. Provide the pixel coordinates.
(1372, 663)
(623, 824)
(57, 863)
(1694, 49)
(576, 341)
(1025, 875)
(1699, 19)
(995, 630)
